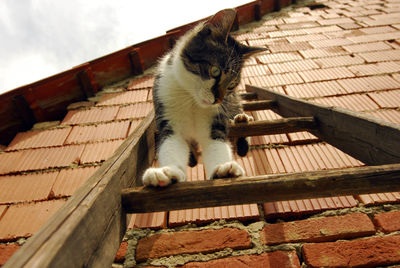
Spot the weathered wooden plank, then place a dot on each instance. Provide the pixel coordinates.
(370, 140)
(248, 96)
(258, 105)
(267, 127)
(265, 188)
(88, 229)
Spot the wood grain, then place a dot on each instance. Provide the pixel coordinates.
(269, 127)
(267, 188)
(372, 141)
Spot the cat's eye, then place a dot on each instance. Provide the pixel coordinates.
(215, 71)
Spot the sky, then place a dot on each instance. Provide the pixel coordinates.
(39, 38)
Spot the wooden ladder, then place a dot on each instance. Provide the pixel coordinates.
(88, 229)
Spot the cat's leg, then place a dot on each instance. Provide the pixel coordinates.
(173, 157)
(217, 157)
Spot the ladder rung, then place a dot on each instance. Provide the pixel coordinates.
(266, 188)
(268, 127)
(258, 105)
(249, 96)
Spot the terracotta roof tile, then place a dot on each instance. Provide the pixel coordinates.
(370, 83)
(356, 102)
(384, 55)
(301, 137)
(278, 57)
(276, 80)
(379, 29)
(302, 158)
(202, 215)
(124, 97)
(305, 24)
(322, 52)
(92, 115)
(374, 46)
(25, 188)
(380, 198)
(374, 37)
(154, 220)
(38, 159)
(100, 132)
(375, 68)
(268, 139)
(143, 82)
(306, 38)
(134, 111)
(325, 74)
(6, 251)
(339, 61)
(292, 66)
(387, 99)
(295, 46)
(39, 138)
(255, 70)
(25, 219)
(69, 180)
(317, 89)
(99, 152)
(330, 42)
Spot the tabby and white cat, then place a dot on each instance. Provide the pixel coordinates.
(194, 99)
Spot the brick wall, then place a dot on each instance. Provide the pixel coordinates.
(356, 237)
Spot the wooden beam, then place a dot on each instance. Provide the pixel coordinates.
(88, 229)
(24, 111)
(372, 141)
(258, 105)
(248, 96)
(269, 127)
(267, 188)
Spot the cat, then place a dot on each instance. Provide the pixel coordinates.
(194, 99)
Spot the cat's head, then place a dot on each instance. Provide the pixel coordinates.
(215, 59)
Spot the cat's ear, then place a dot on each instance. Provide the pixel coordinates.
(223, 21)
(247, 51)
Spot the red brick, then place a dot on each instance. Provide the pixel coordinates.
(189, 242)
(279, 259)
(120, 257)
(371, 252)
(388, 222)
(6, 251)
(318, 229)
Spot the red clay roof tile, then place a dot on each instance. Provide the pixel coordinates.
(366, 47)
(6, 251)
(99, 152)
(384, 55)
(38, 159)
(316, 89)
(92, 115)
(123, 97)
(154, 220)
(292, 66)
(322, 52)
(387, 99)
(99, 132)
(325, 74)
(140, 83)
(387, 115)
(276, 80)
(352, 102)
(202, 215)
(25, 219)
(69, 180)
(26, 188)
(369, 83)
(278, 57)
(39, 138)
(375, 68)
(134, 111)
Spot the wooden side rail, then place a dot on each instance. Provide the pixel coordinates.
(372, 141)
(258, 105)
(88, 229)
(267, 188)
(269, 127)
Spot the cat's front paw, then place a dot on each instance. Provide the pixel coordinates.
(227, 170)
(162, 176)
(242, 118)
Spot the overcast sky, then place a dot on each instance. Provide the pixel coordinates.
(39, 38)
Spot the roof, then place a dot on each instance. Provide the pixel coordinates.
(346, 54)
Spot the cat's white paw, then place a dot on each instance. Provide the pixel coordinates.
(227, 170)
(162, 176)
(242, 118)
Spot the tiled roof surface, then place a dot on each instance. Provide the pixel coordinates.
(346, 54)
